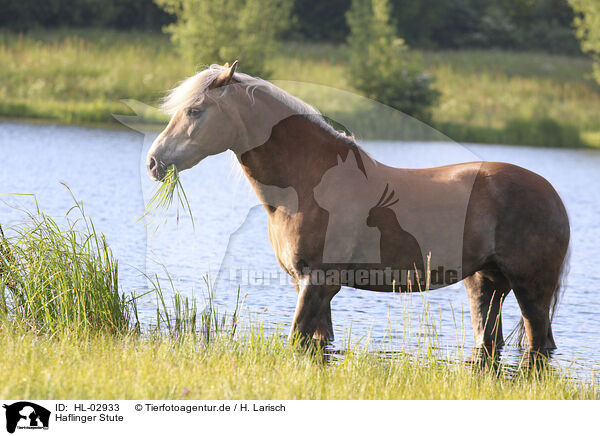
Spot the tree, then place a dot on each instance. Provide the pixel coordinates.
(587, 23)
(219, 31)
(381, 64)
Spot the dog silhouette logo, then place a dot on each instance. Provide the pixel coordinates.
(26, 415)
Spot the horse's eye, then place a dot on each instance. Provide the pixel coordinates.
(194, 112)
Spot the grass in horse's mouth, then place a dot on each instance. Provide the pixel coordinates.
(163, 196)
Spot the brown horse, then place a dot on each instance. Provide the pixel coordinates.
(495, 225)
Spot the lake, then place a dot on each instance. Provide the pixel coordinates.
(105, 169)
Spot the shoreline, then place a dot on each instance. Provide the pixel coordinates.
(117, 126)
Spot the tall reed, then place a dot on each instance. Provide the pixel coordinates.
(60, 276)
(55, 279)
(181, 318)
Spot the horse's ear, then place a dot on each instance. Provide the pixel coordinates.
(225, 77)
(339, 160)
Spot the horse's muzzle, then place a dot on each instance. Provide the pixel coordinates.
(156, 169)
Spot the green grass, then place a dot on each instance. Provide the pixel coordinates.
(250, 367)
(64, 77)
(163, 196)
(79, 76)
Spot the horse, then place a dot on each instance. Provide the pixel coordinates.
(337, 217)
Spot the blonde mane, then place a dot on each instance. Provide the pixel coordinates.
(192, 91)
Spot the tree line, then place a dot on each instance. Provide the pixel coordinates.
(510, 24)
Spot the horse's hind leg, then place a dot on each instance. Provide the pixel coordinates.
(535, 285)
(535, 302)
(487, 290)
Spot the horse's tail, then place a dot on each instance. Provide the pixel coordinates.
(561, 283)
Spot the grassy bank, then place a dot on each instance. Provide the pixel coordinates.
(487, 96)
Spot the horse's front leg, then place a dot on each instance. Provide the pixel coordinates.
(313, 311)
(324, 330)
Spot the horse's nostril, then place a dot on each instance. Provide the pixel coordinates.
(152, 164)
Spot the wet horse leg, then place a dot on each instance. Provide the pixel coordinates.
(487, 291)
(535, 308)
(535, 286)
(324, 330)
(313, 310)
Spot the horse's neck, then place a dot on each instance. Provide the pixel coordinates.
(254, 122)
(294, 158)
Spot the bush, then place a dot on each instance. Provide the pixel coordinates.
(382, 66)
(318, 20)
(588, 29)
(508, 24)
(215, 31)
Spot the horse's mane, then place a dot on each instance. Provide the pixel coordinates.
(192, 91)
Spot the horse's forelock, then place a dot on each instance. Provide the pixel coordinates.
(190, 91)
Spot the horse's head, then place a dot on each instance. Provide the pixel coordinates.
(381, 212)
(200, 126)
(219, 109)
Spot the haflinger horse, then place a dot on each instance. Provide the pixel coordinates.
(339, 218)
